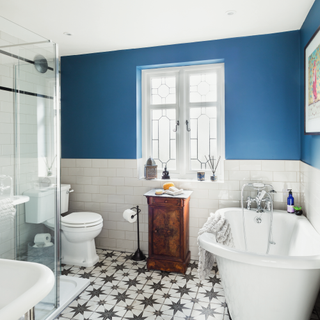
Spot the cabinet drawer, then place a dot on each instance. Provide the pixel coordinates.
(165, 201)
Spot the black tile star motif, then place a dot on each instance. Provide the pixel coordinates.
(157, 286)
(211, 294)
(158, 313)
(126, 290)
(138, 317)
(132, 282)
(189, 277)
(66, 272)
(80, 309)
(108, 279)
(142, 270)
(193, 265)
(109, 255)
(214, 280)
(182, 290)
(148, 301)
(176, 306)
(96, 292)
(86, 275)
(119, 267)
(209, 311)
(108, 314)
(99, 264)
(121, 296)
(215, 268)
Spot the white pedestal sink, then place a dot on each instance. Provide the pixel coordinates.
(22, 286)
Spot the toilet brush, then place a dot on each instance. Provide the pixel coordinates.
(138, 255)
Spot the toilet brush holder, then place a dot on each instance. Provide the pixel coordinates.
(138, 255)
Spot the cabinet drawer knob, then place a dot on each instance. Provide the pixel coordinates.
(165, 201)
(155, 231)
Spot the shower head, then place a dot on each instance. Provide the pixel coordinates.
(41, 63)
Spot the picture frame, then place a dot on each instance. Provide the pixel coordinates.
(312, 85)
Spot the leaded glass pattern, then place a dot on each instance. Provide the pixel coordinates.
(203, 87)
(163, 90)
(183, 117)
(164, 138)
(203, 136)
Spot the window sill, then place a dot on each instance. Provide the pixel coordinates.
(184, 180)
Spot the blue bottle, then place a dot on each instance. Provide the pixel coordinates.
(290, 202)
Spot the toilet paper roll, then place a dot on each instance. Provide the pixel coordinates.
(42, 238)
(127, 214)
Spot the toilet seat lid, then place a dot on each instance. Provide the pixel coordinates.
(81, 219)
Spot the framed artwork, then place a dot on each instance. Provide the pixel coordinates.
(312, 85)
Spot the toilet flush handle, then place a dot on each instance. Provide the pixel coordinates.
(70, 191)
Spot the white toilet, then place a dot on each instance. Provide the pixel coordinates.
(78, 229)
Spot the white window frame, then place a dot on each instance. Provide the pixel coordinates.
(182, 114)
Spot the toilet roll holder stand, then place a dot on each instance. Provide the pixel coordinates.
(138, 255)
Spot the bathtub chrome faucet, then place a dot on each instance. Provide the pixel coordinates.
(260, 199)
(264, 203)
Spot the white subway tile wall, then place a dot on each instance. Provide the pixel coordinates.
(310, 193)
(114, 186)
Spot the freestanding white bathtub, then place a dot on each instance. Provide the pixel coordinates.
(282, 285)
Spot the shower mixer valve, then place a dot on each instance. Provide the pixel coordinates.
(263, 203)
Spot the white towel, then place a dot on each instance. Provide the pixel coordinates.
(221, 228)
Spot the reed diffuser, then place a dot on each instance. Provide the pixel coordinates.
(213, 167)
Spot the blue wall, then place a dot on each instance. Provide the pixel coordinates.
(262, 76)
(310, 144)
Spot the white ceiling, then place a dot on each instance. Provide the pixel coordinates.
(106, 25)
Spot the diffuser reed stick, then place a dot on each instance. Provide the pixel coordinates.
(210, 162)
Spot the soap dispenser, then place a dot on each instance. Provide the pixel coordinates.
(290, 202)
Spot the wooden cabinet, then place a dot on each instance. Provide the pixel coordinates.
(168, 232)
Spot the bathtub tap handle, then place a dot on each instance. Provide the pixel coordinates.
(249, 202)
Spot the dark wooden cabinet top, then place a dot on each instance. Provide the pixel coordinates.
(185, 195)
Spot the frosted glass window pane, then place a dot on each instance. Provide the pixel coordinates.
(164, 139)
(195, 112)
(203, 87)
(203, 138)
(211, 112)
(156, 99)
(155, 154)
(155, 83)
(194, 149)
(173, 149)
(213, 128)
(213, 148)
(172, 165)
(193, 125)
(158, 163)
(155, 130)
(171, 113)
(156, 114)
(163, 90)
(195, 165)
(195, 80)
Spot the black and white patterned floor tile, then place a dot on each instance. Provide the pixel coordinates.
(123, 289)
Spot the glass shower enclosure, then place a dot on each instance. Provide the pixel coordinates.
(30, 149)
